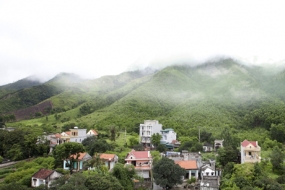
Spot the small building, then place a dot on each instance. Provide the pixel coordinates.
(190, 166)
(250, 152)
(44, 177)
(78, 162)
(168, 135)
(208, 147)
(210, 183)
(218, 144)
(142, 161)
(109, 160)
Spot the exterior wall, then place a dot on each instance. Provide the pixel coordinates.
(168, 136)
(75, 165)
(37, 182)
(209, 171)
(147, 129)
(112, 164)
(250, 154)
(79, 136)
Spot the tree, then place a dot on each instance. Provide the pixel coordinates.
(277, 132)
(98, 182)
(69, 152)
(167, 174)
(155, 139)
(161, 148)
(124, 175)
(277, 159)
(226, 155)
(133, 141)
(113, 132)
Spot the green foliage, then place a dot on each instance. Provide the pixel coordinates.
(13, 186)
(277, 159)
(277, 132)
(69, 152)
(98, 182)
(167, 174)
(161, 148)
(226, 155)
(133, 141)
(155, 139)
(1, 159)
(124, 175)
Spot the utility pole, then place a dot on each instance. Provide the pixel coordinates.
(125, 136)
(199, 133)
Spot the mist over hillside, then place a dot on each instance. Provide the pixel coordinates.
(222, 92)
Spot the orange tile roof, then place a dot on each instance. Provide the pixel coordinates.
(187, 164)
(107, 156)
(57, 135)
(81, 156)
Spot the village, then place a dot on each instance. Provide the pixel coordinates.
(200, 173)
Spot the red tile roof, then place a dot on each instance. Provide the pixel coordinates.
(107, 156)
(57, 135)
(140, 154)
(246, 142)
(43, 174)
(68, 132)
(187, 164)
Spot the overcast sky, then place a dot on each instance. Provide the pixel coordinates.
(95, 38)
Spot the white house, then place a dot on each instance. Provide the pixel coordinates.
(168, 135)
(147, 129)
(250, 151)
(44, 177)
(77, 135)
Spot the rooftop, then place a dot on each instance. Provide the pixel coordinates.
(43, 173)
(187, 164)
(246, 143)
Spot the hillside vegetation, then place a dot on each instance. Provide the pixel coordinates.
(214, 95)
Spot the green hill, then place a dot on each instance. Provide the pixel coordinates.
(213, 95)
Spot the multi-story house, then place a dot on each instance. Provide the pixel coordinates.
(147, 129)
(142, 161)
(250, 151)
(168, 136)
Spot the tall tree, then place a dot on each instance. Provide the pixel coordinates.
(167, 174)
(155, 139)
(69, 152)
(277, 159)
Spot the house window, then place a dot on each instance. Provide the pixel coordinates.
(207, 173)
(249, 153)
(212, 173)
(35, 182)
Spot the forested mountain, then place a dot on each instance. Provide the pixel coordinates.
(215, 94)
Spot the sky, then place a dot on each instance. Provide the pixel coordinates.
(96, 38)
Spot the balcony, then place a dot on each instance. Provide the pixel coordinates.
(252, 149)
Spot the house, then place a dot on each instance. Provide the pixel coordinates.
(147, 129)
(218, 144)
(78, 162)
(109, 160)
(190, 166)
(210, 183)
(73, 135)
(45, 177)
(92, 132)
(250, 152)
(142, 161)
(207, 147)
(168, 135)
